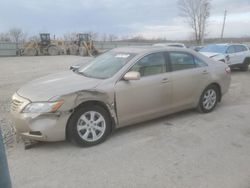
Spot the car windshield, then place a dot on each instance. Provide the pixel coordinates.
(106, 65)
(214, 48)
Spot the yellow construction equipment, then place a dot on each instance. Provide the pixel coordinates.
(46, 46)
(82, 46)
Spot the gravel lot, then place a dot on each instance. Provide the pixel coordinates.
(187, 149)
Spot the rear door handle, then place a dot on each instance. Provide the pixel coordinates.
(164, 80)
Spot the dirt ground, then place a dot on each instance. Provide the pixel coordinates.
(185, 150)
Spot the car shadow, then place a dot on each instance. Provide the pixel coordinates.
(165, 120)
(237, 71)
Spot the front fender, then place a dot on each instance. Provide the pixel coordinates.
(74, 100)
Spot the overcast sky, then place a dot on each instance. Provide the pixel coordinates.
(154, 18)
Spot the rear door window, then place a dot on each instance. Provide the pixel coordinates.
(181, 61)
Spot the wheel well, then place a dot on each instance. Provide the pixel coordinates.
(91, 103)
(219, 89)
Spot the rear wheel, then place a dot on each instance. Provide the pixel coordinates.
(244, 66)
(209, 99)
(89, 126)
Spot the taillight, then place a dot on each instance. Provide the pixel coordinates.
(228, 70)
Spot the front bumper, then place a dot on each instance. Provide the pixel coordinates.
(36, 126)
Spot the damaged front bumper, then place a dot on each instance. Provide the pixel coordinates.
(38, 126)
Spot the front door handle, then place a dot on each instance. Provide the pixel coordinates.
(164, 80)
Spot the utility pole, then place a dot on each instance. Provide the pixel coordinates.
(4, 170)
(223, 26)
(203, 32)
(204, 18)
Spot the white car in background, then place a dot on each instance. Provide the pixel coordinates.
(234, 55)
(180, 45)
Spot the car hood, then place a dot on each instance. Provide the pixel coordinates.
(210, 54)
(43, 89)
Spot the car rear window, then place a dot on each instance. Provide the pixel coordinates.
(181, 61)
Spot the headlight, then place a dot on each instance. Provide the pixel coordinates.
(42, 107)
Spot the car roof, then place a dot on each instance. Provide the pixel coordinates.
(148, 49)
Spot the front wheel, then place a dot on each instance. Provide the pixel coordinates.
(208, 99)
(53, 50)
(89, 126)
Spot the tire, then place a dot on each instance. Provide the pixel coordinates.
(89, 126)
(53, 50)
(209, 99)
(73, 49)
(83, 51)
(244, 66)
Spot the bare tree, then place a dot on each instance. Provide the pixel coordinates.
(104, 37)
(137, 38)
(93, 35)
(16, 34)
(196, 13)
(112, 37)
(70, 36)
(4, 37)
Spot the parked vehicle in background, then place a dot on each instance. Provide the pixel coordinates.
(180, 45)
(83, 46)
(235, 55)
(196, 48)
(45, 46)
(121, 87)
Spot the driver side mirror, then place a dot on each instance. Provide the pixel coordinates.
(132, 75)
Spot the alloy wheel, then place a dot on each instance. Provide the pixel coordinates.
(91, 126)
(209, 99)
